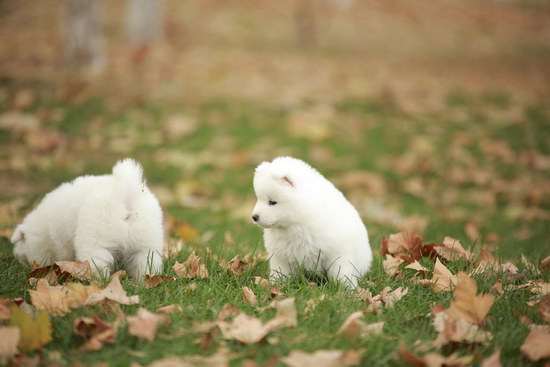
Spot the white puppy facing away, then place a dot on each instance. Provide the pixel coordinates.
(308, 222)
(110, 221)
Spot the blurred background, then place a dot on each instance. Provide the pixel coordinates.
(431, 116)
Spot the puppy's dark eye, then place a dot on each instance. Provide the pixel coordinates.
(271, 202)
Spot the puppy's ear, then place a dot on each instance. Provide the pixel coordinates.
(262, 167)
(283, 179)
(18, 235)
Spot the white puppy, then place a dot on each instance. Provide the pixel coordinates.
(110, 221)
(308, 222)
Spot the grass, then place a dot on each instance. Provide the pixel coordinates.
(213, 166)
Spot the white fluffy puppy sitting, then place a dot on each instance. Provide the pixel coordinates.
(110, 221)
(308, 222)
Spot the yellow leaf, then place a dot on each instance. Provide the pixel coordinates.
(187, 232)
(35, 333)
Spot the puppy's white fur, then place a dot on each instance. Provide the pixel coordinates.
(107, 220)
(308, 222)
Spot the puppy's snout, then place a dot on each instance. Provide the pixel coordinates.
(255, 217)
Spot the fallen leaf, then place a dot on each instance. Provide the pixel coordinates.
(249, 296)
(442, 279)
(228, 310)
(238, 265)
(186, 232)
(262, 282)
(113, 292)
(391, 265)
(354, 327)
(537, 345)
(458, 331)
(493, 360)
(467, 304)
(9, 339)
(169, 309)
(218, 359)
(545, 263)
(73, 269)
(402, 243)
(144, 325)
(52, 299)
(244, 328)
(178, 126)
(152, 281)
(191, 268)
(320, 358)
(171, 361)
(529, 265)
(451, 249)
(497, 287)
(471, 228)
(35, 333)
(172, 248)
(417, 266)
(95, 332)
(286, 314)
(544, 308)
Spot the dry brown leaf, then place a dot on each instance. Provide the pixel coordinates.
(95, 332)
(228, 310)
(451, 249)
(76, 269)
(262, 282)
(191, 268)
(391, 265)
(178, 126)
(402, 243)
(144, 325)
(354, 327)
(544, 308)
(113, 292)
(171, 362)
(410, 358)
(286, 314)
(537, 345)
(442, 279)
(152, 281)
(52, 299)
(390, 297)
(320, 358)
(63, 270)
(417, 266)
(166, 310)
(471, 228)
(493, 360)
(218, 359)
(467, 304)
(497, 287)
(9, 339)
(249, 296)
(238, 265)
(545, 263)
(459, 331)
(244, 328)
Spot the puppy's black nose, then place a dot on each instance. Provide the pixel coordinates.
(255, 217)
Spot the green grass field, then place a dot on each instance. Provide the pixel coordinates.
(477, 171)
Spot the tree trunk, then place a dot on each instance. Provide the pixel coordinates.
(84, 47)
(144, 22)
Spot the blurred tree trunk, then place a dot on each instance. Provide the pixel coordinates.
(84, 48)
(144, 25)
(304, 15)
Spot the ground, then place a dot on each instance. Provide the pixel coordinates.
(430, 118)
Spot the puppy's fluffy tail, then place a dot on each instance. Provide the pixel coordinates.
(129, 176)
